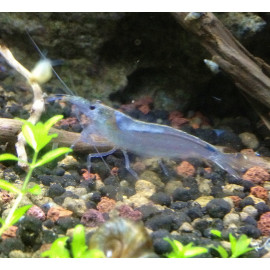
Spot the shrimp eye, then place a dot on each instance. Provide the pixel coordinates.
(92, 107)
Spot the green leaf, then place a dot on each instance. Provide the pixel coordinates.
(78, 246)
(48, 124)
(58, 249)
(240, 246)
(28, 130)
(35, 190)
(53, 154)
(8, 157)
(194, 251)
(222, 251)
(216, 233)
(18, 213)
(9, 187)
(2, 221)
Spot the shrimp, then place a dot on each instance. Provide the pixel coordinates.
(148, 139)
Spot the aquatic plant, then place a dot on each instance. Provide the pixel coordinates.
(181, 251)
(37, 136)
(79, 249)
(239, 246)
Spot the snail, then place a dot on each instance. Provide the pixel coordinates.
(122, 238)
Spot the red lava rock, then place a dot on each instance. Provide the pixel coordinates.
(88, 176)
(145, 109)
(106, 205)
(127, 212)
(256, 175)
(208, 169)
(185, 169)
(57, 212)
(36, 212)
(236, 200)
(259, 192)
(92, 218)
(114, 171)
(264, 224)
(67, 122)
(10, 232)
(5, 196)
(177, 120)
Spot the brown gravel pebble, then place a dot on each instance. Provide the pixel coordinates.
(185, 169)
(236, 200)
(127, 212)
(106, 205)
(256, 175)
(5, 196)
(264, 224)
(36, 212)
(259, 192)
(57, 212)
(10, 232)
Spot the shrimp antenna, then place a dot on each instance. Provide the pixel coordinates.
(67, 89)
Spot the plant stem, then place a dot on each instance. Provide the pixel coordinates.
(20, 196)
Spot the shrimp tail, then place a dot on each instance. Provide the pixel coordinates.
(237, 164)
(229, 163)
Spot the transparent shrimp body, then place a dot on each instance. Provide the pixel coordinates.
(148, 139)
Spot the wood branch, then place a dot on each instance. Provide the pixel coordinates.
(9, 129)
(38, 105)
(247, 71)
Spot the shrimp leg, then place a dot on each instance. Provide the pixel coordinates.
(127, 165)
(101, 155)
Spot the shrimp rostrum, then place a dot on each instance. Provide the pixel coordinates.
(148, 139)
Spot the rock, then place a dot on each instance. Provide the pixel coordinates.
(231, 218)
(10, 232)
(264, 224)
(182, 194)
(231, 189)
(251, 231)
(77, 206)
(106, 205)
(145, 188)
(136, 200)
(185, 227)
(255, 199)
(250, 210)
(11, 244)
(153, 178)
(18, 254)
(68, 162)
(204, 200)
(161, 198)
(172, 185)
(92, 218)
(55, 190)
(249, 140)
(257, 175)
(56, 212)
(259, 192)
(236, 200)
(246, 201)
(109, 191)
(218, 208)
(185, 169)
(36, 212)
(126, 211)
(205, 186)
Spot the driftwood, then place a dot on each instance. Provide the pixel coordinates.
(9, 129)
(38, 105)
(248, 72)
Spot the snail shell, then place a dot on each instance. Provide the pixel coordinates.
(42, 72)
(122, 238)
